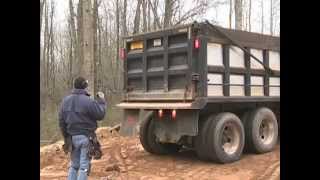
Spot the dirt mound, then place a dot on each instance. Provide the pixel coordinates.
(124, 158)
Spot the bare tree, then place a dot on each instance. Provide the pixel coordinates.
(156, 19)
(124, 18)
(262, 17)
(149, 16)
(41, 57)
(74, 41)
(137, 18)
(46, 47)
(100, 65)
(117, 34)
(87, 68)
(199, 8)
(230, 13)
(168, 13)
(95, 44)
(238, 8)
(144, 14)
(41, 13)
(271, 17)
(79, 45)
(276, 17)
(52, 53)
(71, 57)
(250, 4)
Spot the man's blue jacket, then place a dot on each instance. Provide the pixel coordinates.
(79, 113)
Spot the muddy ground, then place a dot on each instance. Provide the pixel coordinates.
(125, 159)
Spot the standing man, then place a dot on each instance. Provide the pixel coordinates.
(78, 118)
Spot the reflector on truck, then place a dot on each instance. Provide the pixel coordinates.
(156, 42)
(136, 45)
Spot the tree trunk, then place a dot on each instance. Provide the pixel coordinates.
(246, 15)
(156, 20)
(87, 69)
(149, 17)
(124, 18)
(51, 77)
(262, 17)
(107, 36)
(45, 43)
(79, 46)
(144, 14)
(167, 13)
(99, 69)
(238, 14)
(118, 39)
(250, 15)
(41, 14)
(107, 49)
(70, 78)
(95, 45)
(155, 17)
(230, 14)
(75, 43)
(137, 18)
(271, 17)
(47, 49)
(111, 54)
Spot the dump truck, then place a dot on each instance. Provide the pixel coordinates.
(204, 87)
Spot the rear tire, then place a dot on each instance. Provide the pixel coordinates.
(225, 138)
(261, 130)
(200, 140)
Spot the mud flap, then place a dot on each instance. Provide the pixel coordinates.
(131, 121)
(170, 130)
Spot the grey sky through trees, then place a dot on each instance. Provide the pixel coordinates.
(219, 14)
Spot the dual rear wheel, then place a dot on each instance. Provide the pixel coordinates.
(261, 129)
(150, 142)
(223, 137)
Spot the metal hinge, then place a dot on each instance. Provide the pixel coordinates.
(195, 77)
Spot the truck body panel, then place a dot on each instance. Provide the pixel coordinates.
(197, 71)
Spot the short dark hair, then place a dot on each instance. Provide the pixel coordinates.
(80, 83)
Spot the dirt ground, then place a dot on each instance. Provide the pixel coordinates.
(125, 159)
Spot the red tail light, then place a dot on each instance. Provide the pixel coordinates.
(160, 113)
(197, 43)
(174, 114)
(122, 53)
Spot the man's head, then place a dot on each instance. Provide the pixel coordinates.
(80, 83)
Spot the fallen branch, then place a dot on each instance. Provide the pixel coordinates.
(116, 127)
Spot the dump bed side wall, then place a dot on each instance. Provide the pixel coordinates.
(230, 72)
(165, 73)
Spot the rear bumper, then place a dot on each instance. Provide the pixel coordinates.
(198, 103)
(156, 105)
(159, 95)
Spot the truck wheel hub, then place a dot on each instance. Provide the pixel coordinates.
(230, 139)
(266, 131)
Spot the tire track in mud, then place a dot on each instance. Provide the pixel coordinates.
(194, 172)
(271, 172)
(276, 174)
